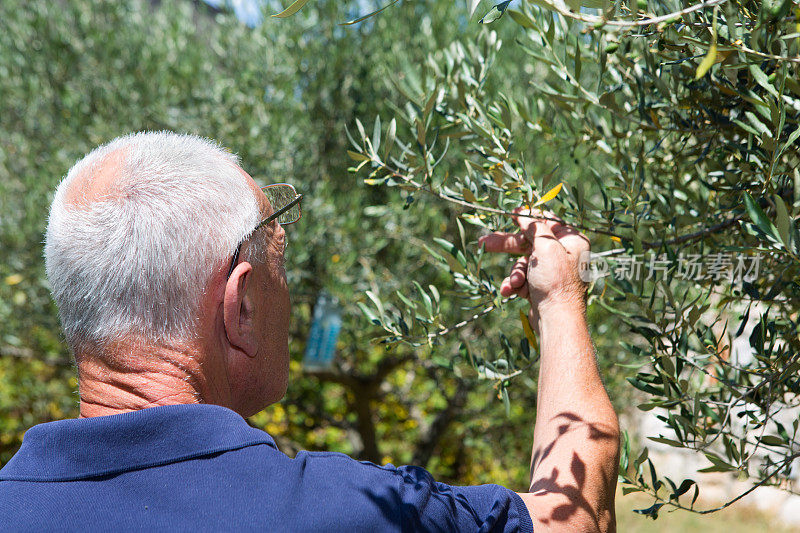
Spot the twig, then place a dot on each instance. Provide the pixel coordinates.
(602, 21)
(743, 48)
(700, 233)
(474, 317)
(766, 479)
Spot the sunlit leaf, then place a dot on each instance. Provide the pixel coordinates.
(526, 327)
(711, 56)
(549, 195)
(708, 61)
(495, 13)
(292, 9)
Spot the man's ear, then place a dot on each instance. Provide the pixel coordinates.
(238, 310)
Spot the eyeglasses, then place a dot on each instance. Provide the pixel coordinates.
(286, 205)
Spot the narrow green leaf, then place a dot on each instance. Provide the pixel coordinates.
(365, 17)
(522, 19)
(461, 233)
(642, 458)
(376, 301)
(368, 313)
(454, 264)
(551, 30)
(420, 132)
(757, 124)
(719, 464)
(376, 135)
(763, 80)
(686, 484)
(411, 305)
(667, 364)
(653, 477)
(790, 141)
(473, 5)
(495, 13)
(716, 468)
(361, 132)
(357, 156)
(435, 294)
(426, 300)
(711, 56)
(469, 196)
(772, 440)
(447, 245)
(746, 127)
(758, 217)
(782, 222)
(430, 103)
(670, 442)
(628, 490)
(292, 9)
(388, 143)
(647, 406)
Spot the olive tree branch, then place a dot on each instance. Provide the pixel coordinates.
(409, 181)
(599, 21)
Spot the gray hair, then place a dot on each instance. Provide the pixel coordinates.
(135, 262)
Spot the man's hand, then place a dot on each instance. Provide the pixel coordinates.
(548, 271)
(576, 437)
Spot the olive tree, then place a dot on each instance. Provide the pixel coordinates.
(667, 131)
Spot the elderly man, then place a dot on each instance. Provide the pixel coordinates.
(166, 261)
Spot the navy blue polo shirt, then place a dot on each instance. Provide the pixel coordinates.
(203, 468)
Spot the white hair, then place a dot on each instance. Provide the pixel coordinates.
(134, 262)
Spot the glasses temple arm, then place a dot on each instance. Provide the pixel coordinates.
(273, 216)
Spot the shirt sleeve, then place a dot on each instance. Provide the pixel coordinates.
(407, 498)
(431, 506)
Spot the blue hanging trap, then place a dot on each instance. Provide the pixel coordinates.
(325, 327)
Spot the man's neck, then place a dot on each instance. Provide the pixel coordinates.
(132, 379)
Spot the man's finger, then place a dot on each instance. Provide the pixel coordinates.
(517, 280)
(519, 273)
(506, 290)
(510, 243)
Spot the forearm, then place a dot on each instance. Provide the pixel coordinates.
(576, 438)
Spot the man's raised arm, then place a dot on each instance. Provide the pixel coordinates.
(576, 437)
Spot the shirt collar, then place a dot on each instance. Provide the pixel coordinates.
(89, 447)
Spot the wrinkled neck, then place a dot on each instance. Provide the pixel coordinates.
(130, 378)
